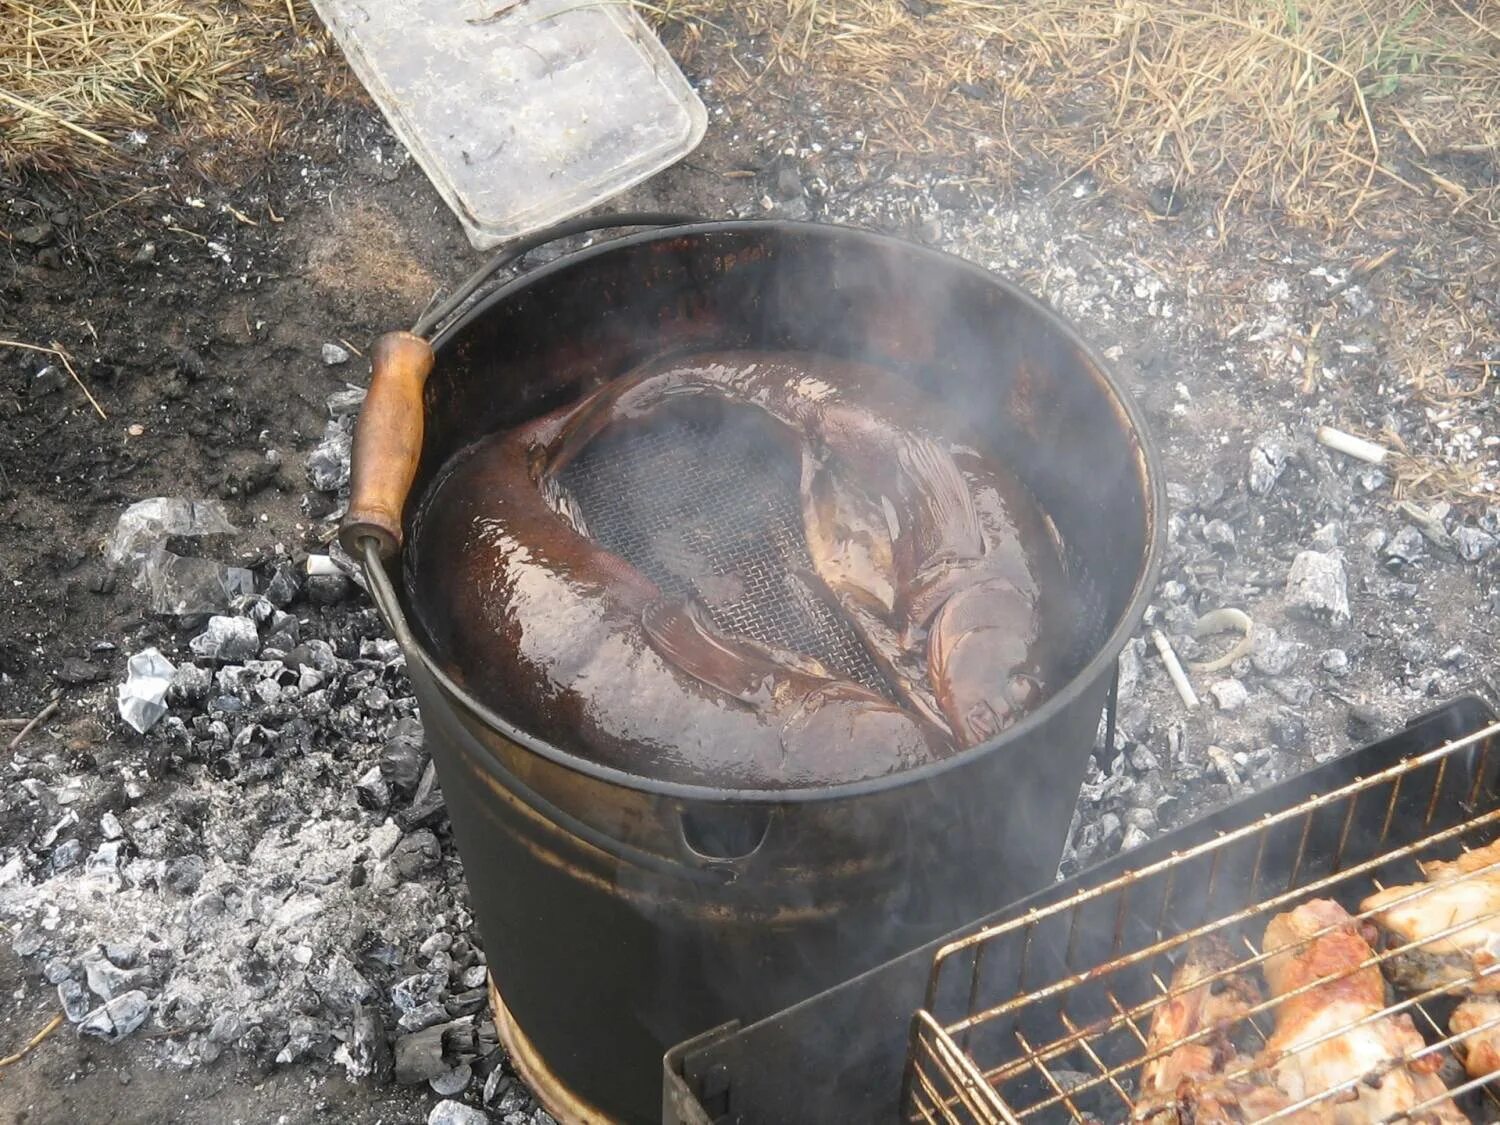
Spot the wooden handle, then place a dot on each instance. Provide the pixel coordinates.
(387, 444)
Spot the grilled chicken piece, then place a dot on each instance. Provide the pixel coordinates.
(1481, 1050)
(1457, 892)
(1182, 1086)
(1317, 1046)
(1462, 896)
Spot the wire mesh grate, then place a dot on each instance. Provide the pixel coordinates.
(711, 509)
(1054, 1016)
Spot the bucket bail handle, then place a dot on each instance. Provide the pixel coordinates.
(387, 444)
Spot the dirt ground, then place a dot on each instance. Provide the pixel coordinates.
(195, 314)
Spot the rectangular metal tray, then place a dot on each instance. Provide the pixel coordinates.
(841, 1055)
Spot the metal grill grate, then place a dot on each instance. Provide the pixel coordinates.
(1048, 1017)
(708, 509)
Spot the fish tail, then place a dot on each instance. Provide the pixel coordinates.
(949, 522)
(564, 504)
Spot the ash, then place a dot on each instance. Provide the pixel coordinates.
(269, 870)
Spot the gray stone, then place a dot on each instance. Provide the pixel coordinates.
(1180, 621)
(346, 402)
(1406, 547)
(402, 759)
(257, 607)
(1289, 689)
(333, 355)
(367, 1052)
(328, 463)
(1142, 818)
(1218, 533)
(184, 873)
(475, 976)
(416, 990)
(1110, 828)
(426, 803)
(372, 790)
(225, 1029)
(125, 954)
(1268, 459)
(416, 853)
(1271, 655)
(1317, 584)
(450, 1112)
(76, 670)
(189, 684)
(1335, 660)
(1133, 838)
(496, 1084)
(422, 1016)
(1473, 544)
(1211, 488)
(107, 980)
(227, 640)
(285, 585)
(304, 1035)
(1230, 695)
(451, 1082)
(420, 1055)
(1414, 648)
(466, 1003)
(57, 970)
(1288, 730)
(67, 854)
(75, 998)
(118, 1018)
(342, 987)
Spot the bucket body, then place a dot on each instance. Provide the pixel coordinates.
(622, 915)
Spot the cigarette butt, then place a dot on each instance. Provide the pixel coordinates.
(322, 564)
(1355, 447)
(1174, 669)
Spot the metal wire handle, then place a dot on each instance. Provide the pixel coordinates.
(439, 311)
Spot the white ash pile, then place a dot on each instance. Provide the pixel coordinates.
(267, 868)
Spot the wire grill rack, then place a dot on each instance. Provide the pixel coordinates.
(1048, 1017)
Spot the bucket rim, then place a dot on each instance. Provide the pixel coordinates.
(389, 602)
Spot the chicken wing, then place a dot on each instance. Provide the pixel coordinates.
(1181, 1086)
(1461, 896)
(1329, 1030)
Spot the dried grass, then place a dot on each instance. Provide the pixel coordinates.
(78, 77)
(1294, 103)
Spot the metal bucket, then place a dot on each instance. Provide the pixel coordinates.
(622, 914)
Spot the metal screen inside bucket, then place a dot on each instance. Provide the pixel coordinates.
(705, 502)
(710, 509)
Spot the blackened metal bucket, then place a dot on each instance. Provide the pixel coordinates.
(621, 914)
